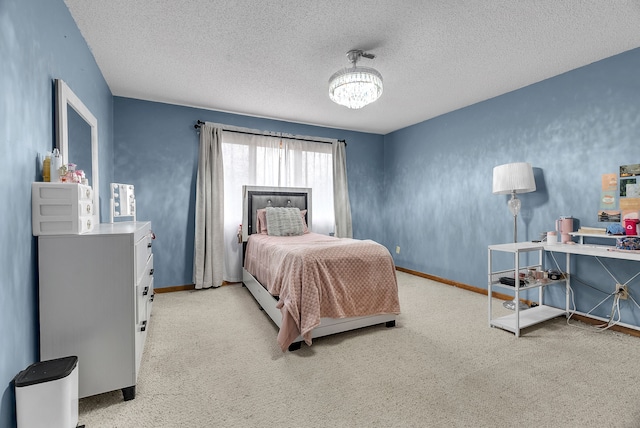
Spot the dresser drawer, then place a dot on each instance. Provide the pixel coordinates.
(144, 297)
(65, 191)
(65, 209)
(144, 291)
(143, 251)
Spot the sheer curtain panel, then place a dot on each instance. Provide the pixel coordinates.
(273, 160)
(209, 217)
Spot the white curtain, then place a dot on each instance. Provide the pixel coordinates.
(273, 160)
(208, 253)
(341, 203)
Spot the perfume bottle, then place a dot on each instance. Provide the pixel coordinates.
(46, 168)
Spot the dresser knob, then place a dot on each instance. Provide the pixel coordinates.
(143, 327)
(150, 271)
(88, 193)
(88, 208)
(146, 291)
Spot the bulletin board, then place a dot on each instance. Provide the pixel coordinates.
(620, 195)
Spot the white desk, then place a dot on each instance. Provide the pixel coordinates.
(523, 319)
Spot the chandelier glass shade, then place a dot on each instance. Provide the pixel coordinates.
(355, 87)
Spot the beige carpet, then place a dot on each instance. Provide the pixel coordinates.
(212, 360)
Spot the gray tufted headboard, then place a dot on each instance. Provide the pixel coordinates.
(256, 197)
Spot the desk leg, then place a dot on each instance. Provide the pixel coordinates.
(541, 264)
(567, 283)
(517, 293)
(489, 290)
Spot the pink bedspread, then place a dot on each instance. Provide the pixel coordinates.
(321, 276)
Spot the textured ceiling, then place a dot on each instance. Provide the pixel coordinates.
(274, 58)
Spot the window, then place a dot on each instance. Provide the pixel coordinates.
(261, 160)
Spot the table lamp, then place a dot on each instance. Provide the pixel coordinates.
(513, 178)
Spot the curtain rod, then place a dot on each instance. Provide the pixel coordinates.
(200, 123)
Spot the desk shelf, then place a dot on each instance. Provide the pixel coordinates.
(528, 318)
(526, 286)
(608, 251)
(581, 236)
(521, 319)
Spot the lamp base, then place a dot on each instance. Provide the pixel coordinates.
(511, 305)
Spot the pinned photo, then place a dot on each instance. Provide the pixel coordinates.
(609, 182)
(608, 200)
(630, 170)
(609, 216)
(623, 186)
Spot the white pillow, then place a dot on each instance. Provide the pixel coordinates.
(261, 220)
(284, 221)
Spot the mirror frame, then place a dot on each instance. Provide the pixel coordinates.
(66, 97)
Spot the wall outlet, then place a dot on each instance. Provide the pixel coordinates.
(398, 249)
(622, 292)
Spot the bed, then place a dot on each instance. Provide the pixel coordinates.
(312, 285)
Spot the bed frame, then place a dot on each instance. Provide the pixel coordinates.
(256, 197)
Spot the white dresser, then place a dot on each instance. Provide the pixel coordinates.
(96, 293)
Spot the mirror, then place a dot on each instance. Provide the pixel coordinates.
(79, 153)
(77, 138)
(123, 201)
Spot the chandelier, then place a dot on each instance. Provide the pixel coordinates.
(355, 87)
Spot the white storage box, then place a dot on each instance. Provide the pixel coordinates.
(61, 208)
(47, 394)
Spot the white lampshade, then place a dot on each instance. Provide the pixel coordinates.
(513, 177)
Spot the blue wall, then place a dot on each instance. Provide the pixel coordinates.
(572, 128)
(156, 150)
(39, 42)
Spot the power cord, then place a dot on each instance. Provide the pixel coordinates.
(615, 310)
(615, 307)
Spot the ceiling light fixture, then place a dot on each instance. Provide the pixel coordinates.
(355, 87)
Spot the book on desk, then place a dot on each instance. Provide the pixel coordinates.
(586, 230)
